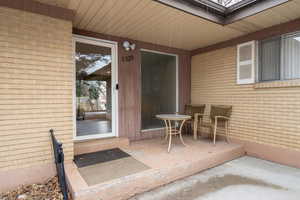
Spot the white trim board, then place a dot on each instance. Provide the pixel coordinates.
(251, 62)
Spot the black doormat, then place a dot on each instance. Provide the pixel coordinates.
(87, 159)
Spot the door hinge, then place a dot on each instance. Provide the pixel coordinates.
(117, 86)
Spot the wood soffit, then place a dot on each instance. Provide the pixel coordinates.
(68, 14)
(272, 31)
(140, 44)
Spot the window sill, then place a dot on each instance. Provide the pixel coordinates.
(278, 84)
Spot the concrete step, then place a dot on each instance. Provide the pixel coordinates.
(88, 146)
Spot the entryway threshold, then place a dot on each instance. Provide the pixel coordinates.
(93, 145)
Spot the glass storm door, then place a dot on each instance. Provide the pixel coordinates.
(95, 92)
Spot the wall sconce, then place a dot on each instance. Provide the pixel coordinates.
(127, 46)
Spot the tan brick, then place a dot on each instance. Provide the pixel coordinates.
(266, 113)
(36, 83)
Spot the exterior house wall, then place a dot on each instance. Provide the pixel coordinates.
(36, 82)
(263, 113)
(36, 89)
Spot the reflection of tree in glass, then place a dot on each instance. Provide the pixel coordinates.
(97, 92)
(87, 64)
(94, 90)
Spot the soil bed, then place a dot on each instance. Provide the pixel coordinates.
(47, 191)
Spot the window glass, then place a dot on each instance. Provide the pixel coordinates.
(291, 56)
(269, 63)
(279, 58)
(93, 89)
(245, 53)
(245, 71)
(226, 3)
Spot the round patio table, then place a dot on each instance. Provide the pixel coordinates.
(173, 130)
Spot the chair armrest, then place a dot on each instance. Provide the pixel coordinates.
(221, 117)
(197, 115)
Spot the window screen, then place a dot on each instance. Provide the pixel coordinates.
(158, 87)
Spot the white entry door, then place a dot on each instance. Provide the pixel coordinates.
(95, 92)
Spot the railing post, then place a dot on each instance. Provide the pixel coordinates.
(59, 162)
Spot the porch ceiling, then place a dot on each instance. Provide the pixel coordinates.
(149, 21)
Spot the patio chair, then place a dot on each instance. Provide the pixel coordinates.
(219, 119)
(192, 110)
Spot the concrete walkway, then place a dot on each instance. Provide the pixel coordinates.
(245, 178)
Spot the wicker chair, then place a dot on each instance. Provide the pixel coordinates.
(219, 119)
(192, 110)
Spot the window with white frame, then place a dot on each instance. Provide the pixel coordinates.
(279, 58)
(246, 63)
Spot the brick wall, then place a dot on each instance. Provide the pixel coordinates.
(36, 74)
(266, 113)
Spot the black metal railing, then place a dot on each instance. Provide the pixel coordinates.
(59, 162)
